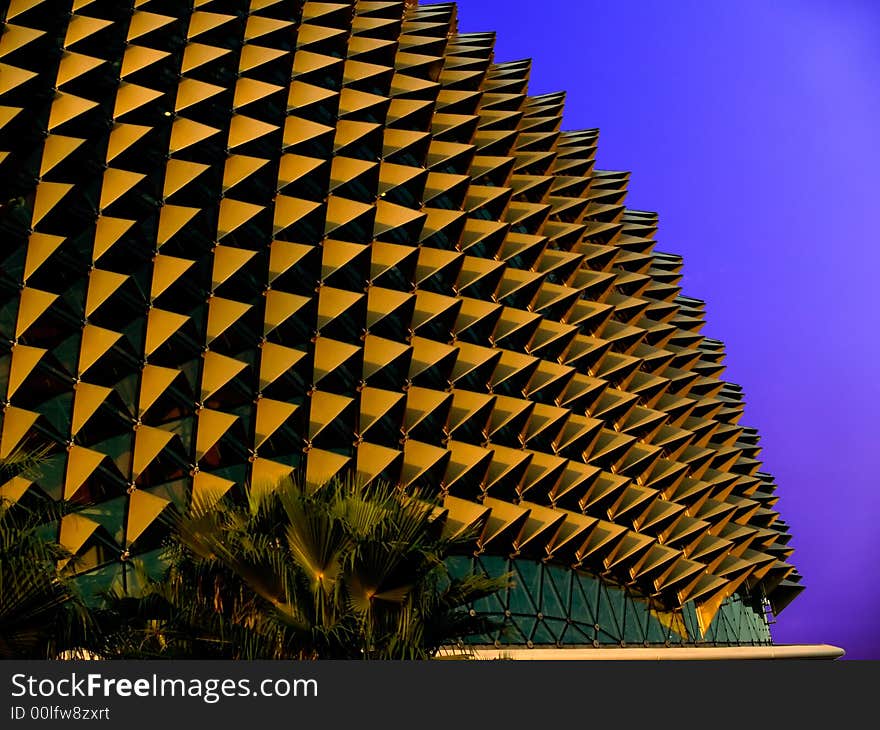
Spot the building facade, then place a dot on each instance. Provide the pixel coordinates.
(243, 238)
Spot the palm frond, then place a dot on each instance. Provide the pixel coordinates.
(41, 612)
(346, 570)
(24, 461)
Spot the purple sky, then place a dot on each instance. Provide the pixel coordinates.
(752, 128)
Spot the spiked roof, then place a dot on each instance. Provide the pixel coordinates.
(253, 236)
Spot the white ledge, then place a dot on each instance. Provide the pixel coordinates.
(690, 653)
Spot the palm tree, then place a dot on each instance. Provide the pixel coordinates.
(344, 571)
(41, 615)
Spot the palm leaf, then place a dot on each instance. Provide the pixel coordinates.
(342, 571)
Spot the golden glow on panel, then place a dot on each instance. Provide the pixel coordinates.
(339, 236)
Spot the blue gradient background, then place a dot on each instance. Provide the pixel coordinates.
(752, 128)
